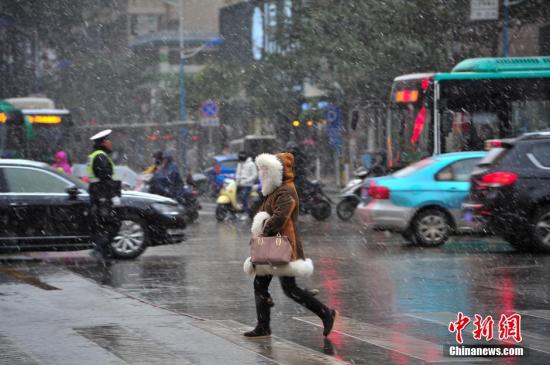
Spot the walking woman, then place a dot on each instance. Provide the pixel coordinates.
(279, 214)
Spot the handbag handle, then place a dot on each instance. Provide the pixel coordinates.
(278, 240)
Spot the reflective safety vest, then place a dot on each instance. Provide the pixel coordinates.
(89, 168)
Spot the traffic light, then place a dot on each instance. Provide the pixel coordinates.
(309, 123)
(296, 123)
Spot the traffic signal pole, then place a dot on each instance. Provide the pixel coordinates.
(183, 107)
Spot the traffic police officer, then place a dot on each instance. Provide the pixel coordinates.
(104, 194)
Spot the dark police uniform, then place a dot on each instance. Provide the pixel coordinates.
(103, 189)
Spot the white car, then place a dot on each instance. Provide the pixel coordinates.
(123, 173)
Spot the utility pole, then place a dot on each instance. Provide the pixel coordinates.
(183, 108)
(505, 25)
(505, 28)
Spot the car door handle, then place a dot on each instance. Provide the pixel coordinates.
(19, 204)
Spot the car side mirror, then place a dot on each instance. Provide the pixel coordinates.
(73, 192)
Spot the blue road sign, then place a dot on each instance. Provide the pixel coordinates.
(209, 109)
(333, 116)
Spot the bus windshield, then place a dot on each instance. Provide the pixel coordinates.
(473, 111)
(33, 129)
(410, 128)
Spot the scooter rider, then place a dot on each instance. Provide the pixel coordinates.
(246, 176)
(104, 194)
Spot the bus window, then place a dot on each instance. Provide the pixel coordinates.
(411, 134)
(455, 128)
(530, 115)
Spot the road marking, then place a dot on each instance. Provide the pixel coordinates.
(131, 347)
(10, 353)
(515, 267)
(276, 349)
(387, 339)
(539, 313)
(532, 341)
(27, 278)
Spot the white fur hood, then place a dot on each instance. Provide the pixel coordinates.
(270, 170)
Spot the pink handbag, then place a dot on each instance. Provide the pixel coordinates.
(270, 250)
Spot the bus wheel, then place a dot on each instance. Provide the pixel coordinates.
(221, 212)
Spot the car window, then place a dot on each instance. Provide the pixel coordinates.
(417, 166)
(458, 171)
(30, 180)
(542, 153)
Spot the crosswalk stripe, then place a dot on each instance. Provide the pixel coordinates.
(539, 313)
(532, 341)
(276, 349)
(387, 339)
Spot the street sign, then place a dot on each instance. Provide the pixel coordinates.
(210, 122)
(484, 9)
(334, 127)
(209, 109)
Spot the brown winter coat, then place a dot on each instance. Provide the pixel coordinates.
(279, 214)
(283, 207)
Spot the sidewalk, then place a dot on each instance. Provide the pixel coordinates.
(63, 318)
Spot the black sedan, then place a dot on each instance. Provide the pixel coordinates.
(44, 209)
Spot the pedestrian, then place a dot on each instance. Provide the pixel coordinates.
(246, 176)
(279, 214)
(62, 162)
(300, 169)
(104, 193)
(167, 181)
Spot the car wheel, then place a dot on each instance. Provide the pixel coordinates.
(131, 239)
(431, 227)
(221, 212)
(541, 230)
(321, 211)
(345, 209)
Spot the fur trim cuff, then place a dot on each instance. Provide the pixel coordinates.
(258, 223)
(270, 172)
(294, 268)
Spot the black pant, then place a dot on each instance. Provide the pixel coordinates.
(105, 226)
(300, 296)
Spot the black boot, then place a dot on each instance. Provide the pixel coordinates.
(328, 322)
(263, 313)
(261, 331)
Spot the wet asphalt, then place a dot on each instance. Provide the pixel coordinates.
(189, 302)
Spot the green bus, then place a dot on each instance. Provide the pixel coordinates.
(479, 100)
(32, 128)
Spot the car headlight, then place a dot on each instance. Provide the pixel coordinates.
(167, 209)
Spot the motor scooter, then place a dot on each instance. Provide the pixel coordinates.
(188, 198)
(314, 201)
(227, 202)
(351, 194)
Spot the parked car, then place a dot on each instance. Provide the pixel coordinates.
(510, 191)
(422, 201)
(223, 166)
(125, 174)
(43, 208)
